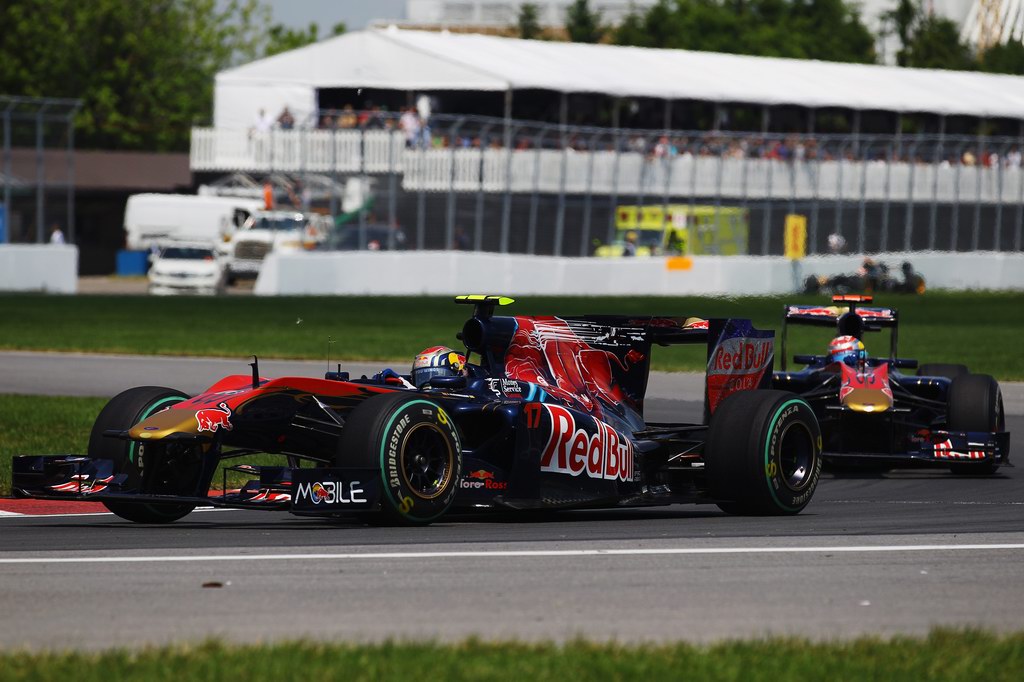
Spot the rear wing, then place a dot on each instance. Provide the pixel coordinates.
(597, 359)
(845, 311)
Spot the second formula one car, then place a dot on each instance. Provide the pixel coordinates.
(550, 415)
(872, 414)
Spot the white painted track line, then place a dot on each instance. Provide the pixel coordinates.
(502, 554)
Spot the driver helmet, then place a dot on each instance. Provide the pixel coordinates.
(847, 349)
(436, 361)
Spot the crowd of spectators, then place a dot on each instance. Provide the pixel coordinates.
(421, 130)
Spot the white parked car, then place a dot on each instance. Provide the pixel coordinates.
(268, 231)
(187, 269)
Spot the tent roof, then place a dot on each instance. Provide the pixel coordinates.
(419, 60)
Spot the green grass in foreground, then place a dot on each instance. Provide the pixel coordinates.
(32, 425)
(943, 655)
(48, 425)
(980, 328)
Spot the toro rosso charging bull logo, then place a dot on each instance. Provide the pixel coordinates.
(213, 418)
(598, 451)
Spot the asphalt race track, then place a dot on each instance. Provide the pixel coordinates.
(885, 554)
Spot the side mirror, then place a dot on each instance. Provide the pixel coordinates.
(904, 363)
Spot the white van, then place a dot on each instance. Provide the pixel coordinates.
(154, 219)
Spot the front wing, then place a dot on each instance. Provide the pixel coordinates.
(944, 448)
(306, 491)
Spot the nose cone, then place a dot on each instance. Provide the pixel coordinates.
(867, 400)
(163, 424)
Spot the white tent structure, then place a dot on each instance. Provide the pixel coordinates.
(423, 61)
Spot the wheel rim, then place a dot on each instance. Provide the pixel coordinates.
(796, 456)
(427, 461)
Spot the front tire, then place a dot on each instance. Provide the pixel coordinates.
(124, 411)
(975, 404)
(763, 453)
(417, 448)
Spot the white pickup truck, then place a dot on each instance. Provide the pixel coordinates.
(268, 231)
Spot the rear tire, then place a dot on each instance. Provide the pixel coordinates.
(417, 448)
(937, 369)
(124, 411)
(763, 453)
(975, 404)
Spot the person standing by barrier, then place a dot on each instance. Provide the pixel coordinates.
(56, 234)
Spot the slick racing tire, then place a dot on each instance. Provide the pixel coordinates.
(937, 369)
(763, 454)
(417, 448)
(975, 404)
(124, 411)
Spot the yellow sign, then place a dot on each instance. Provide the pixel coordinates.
(796, 236)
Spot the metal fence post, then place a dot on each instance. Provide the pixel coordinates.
(613, 197)
(40, 177)
(531, 235)
(838, 228)
(7, 172)
(392, 193)
(766, 217)
(933, 216)
(908, 217)
(560, 212)
(862, 202)
(997, 238)
(449, 232)
(506, 208)
(588, 199)
(478, 225)
(979, 166)
(955, 227)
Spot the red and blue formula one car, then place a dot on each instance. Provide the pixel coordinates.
(873, 415)
(549, 415)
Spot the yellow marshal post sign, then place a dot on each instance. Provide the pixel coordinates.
(795, 236)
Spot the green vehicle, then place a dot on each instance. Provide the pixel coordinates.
(687, 230)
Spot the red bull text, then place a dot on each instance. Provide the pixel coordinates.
(602, 453)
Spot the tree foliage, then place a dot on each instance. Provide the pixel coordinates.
(830, 30)
(528, 22)
(582, 24)
(927, 41)
(144, 70)
(281, 38)
(1008, 58)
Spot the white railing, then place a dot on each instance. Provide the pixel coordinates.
(604, 172)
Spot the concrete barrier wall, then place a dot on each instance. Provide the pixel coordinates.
(447, 272)
(52, 268)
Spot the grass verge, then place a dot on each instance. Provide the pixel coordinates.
(980, 329)
(944, 655)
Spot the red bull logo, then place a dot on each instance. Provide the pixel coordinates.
(213, 418)
(737, 364)
(481, 475)
(601, 453)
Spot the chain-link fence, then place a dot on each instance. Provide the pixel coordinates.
(485, 184)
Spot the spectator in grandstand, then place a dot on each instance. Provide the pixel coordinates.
(460, 242)
(263, 123)
(836, 243)
(326, 122)
(286, 121)
(629, 244)
(1013, 158)
(409, 124)
(347, 118)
